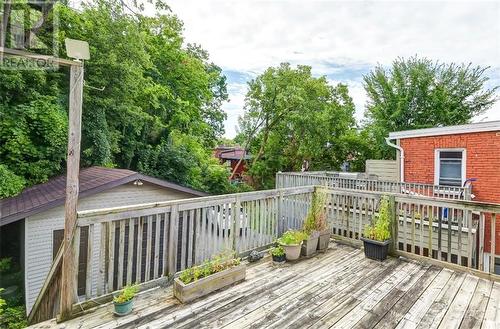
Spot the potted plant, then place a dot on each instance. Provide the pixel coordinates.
(124, 301)
(278, 254)
(315, 226)
(377, 236)
(219, 272)
(319, 202)
(291, 241)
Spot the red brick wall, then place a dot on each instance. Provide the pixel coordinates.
(482, 162)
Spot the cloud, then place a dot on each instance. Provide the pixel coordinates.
(342, 40)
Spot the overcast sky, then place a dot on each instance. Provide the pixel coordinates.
(342, 40)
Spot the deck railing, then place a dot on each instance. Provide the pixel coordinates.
(143, 243)
(334, 180)
(149, 242)
(174, 235)
(452, 231)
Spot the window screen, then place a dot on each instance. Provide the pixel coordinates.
(450, 168)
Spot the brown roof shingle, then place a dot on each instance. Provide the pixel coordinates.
(44, 196)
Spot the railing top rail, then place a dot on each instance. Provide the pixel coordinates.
(451, 203)
(208, 200)
(321, 175)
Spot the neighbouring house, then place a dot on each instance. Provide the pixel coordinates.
(451, 156)
(231, 156)
(37, 215)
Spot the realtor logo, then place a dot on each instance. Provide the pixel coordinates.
(28, 25)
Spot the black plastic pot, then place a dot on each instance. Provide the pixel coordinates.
(376, 250)
(279, 259)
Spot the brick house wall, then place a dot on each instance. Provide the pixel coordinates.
(482, 162)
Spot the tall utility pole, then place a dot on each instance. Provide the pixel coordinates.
(69, 269)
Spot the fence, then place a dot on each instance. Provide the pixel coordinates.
(332, 179)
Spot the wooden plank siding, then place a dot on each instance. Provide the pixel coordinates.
(337, 289)
(386, 170)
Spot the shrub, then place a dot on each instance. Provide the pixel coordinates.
(216, 264)
(292, 237)
(316, 217)
(127, 294)
(13, 317)
(2, 302)
(380, 229)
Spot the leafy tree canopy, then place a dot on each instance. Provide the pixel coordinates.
(291, 116)
(420, 93)
(157, 91)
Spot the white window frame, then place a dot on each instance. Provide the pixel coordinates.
(486, 263)
(437, 166)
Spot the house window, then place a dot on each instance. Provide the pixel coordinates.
(496, 264)
(450, 167)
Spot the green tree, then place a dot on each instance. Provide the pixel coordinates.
(291, 116)
(33, 138)
(144, 87)
(419, 93)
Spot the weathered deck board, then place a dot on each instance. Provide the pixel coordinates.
(439, 307)
(477, 307)
(337, 289)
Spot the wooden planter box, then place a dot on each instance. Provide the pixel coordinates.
(202, 287)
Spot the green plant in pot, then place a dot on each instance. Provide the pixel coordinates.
(315, 226)
(278, 254)
(124, 301)
(377, 236)
(291, 241)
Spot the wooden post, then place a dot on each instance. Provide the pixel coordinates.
(236, 224)
(280, 221)
(68, 275)
(393, 247)
(172, 241)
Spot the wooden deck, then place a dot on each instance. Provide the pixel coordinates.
(338, 289)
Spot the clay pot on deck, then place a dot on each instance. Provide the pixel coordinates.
(376, 250)
(292, 251)
(324, 240)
